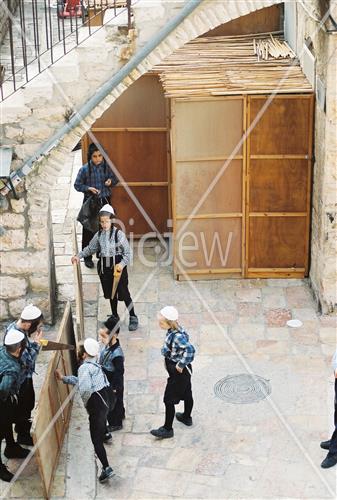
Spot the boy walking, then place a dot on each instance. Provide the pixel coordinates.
(179, 354)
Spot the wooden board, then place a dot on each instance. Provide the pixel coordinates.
(203, 128)
(259, 21)
(50, 422)
(79, 320)
(279, 163)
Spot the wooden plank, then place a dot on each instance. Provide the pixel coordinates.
(209, 216)
(138, 184)
(129, 129)
(210, 158)
(243, 187)
(279, 157)
(49, 428)
(268, 273)
(247, 168)
(309, 182)
(78, 289)
(201, 277)
(277, 214)
(173, 182)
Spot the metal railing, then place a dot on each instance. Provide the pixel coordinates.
(43, 31)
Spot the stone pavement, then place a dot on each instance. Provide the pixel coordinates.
(267, 449)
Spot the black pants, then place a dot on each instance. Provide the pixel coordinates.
(115, 417)
(178, 388)
(98, 412)
(8, 413)
(333, 441)
(26, 403)
(86, 238)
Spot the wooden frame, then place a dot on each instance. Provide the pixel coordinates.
(54, 398)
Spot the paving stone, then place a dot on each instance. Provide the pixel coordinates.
(298, 296)
(277, 317)
(304, 314)
(142, 403)
(248, 295)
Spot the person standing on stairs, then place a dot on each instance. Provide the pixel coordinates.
(115, 254)
(95, 178)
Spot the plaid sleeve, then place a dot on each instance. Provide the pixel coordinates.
(91, 248)
(126, 249)
(188, 350)
(70, 379)
(80, 182)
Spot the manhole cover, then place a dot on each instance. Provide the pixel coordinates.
(242, 389)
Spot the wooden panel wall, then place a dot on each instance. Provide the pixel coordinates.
(51, 421)
(260, 21)
(241, 206)
(279, 162)
(207, 194)
(134, 134)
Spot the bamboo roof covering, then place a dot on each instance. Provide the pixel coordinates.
(227, 65)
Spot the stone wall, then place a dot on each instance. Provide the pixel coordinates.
(26, 243)
(323, 270)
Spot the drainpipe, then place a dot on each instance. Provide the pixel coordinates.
(106, 89)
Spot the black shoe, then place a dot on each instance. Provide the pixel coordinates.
(25, 439)
(16, 451)
(105, 474)
(114, 428)
(162, 433)
(325, 445)
(133, 324)
(5, 475)
(184, 420)
(89, 263)
(329, 461)
(107, 437)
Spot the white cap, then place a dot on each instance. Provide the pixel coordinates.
(170, 313)
(107, 208)
(13, 336)
(91, 347)
(30, 313)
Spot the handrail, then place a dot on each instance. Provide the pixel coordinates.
(44, 36)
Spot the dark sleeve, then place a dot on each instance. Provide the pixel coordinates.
(81, 181)
(6, 384)
(118, 374)
(111, 175)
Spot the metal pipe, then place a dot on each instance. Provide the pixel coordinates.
(107, 88)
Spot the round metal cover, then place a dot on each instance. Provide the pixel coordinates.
(242, 388)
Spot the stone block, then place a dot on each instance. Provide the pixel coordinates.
(277, 317)
(39, 283)
(11, 287)
(35, 131)
(18, 206)
(3, 310)
(13, 239)
(24, 262)
(37, 238)
(13, 221)
(14, 133)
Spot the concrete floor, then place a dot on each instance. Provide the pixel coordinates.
(266, 449)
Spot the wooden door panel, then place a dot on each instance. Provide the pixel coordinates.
(203, 130)
(278, 185)
(154, 201)
(283, 128)
(209, 244)
(277, 242)
(194, 179)
(139, 156)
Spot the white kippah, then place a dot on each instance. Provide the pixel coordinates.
(91, 347)
(170, 313)
(107, 208)
(30, 313)
(13, 336)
